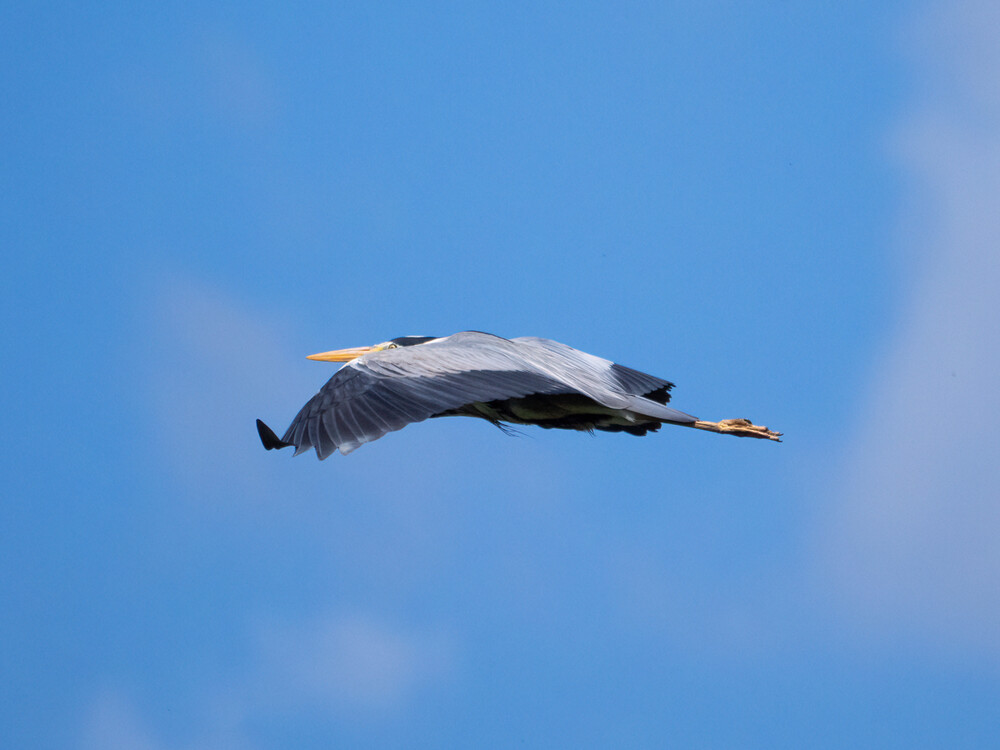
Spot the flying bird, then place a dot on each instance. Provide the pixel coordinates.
(525, 380)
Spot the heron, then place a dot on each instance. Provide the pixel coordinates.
(518, 381)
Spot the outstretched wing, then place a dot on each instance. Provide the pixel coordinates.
(387, 390)
(607, 383)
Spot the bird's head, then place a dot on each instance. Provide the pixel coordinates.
(345, 355)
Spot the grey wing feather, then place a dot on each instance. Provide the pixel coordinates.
(649, 386)
(604, 381)
(383, 392)
(653, 409)
(386, 390)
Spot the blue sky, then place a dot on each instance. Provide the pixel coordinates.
(788, 209)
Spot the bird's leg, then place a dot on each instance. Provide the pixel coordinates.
(739, 428)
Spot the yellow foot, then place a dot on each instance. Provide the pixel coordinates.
(739, 428)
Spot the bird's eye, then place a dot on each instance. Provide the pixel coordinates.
(393, 346)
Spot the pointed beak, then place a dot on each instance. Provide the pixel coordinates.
(342, 355)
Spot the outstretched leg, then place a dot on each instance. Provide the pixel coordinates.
(737, 427)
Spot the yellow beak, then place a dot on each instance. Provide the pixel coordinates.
(343, 355)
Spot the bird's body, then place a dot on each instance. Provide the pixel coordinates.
(518, 381)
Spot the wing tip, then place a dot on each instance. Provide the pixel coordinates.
(269, 439)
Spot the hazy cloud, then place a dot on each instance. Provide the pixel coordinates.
(113, 723)
(240, 83)
(912, 544)
(338, 664)
(213, 363)
(343, 662)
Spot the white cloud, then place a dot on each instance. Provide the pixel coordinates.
(911, 549)
(346, 665)
(346, 662)
(211, 365)
(241, 84)
(113, 723)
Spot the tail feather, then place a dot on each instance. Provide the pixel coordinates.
(268, 438)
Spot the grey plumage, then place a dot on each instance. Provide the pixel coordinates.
(519, 381)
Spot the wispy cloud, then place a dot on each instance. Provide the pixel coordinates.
(114, 721)
(345, 665)
(350, 661)
(213, 363)
(912, 548)
(241, 84)
(211, 72)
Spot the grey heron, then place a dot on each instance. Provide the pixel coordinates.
(525, 380)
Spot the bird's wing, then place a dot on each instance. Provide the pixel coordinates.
(607, 383)
(387, 390)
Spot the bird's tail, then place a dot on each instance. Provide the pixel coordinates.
(269, 439)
